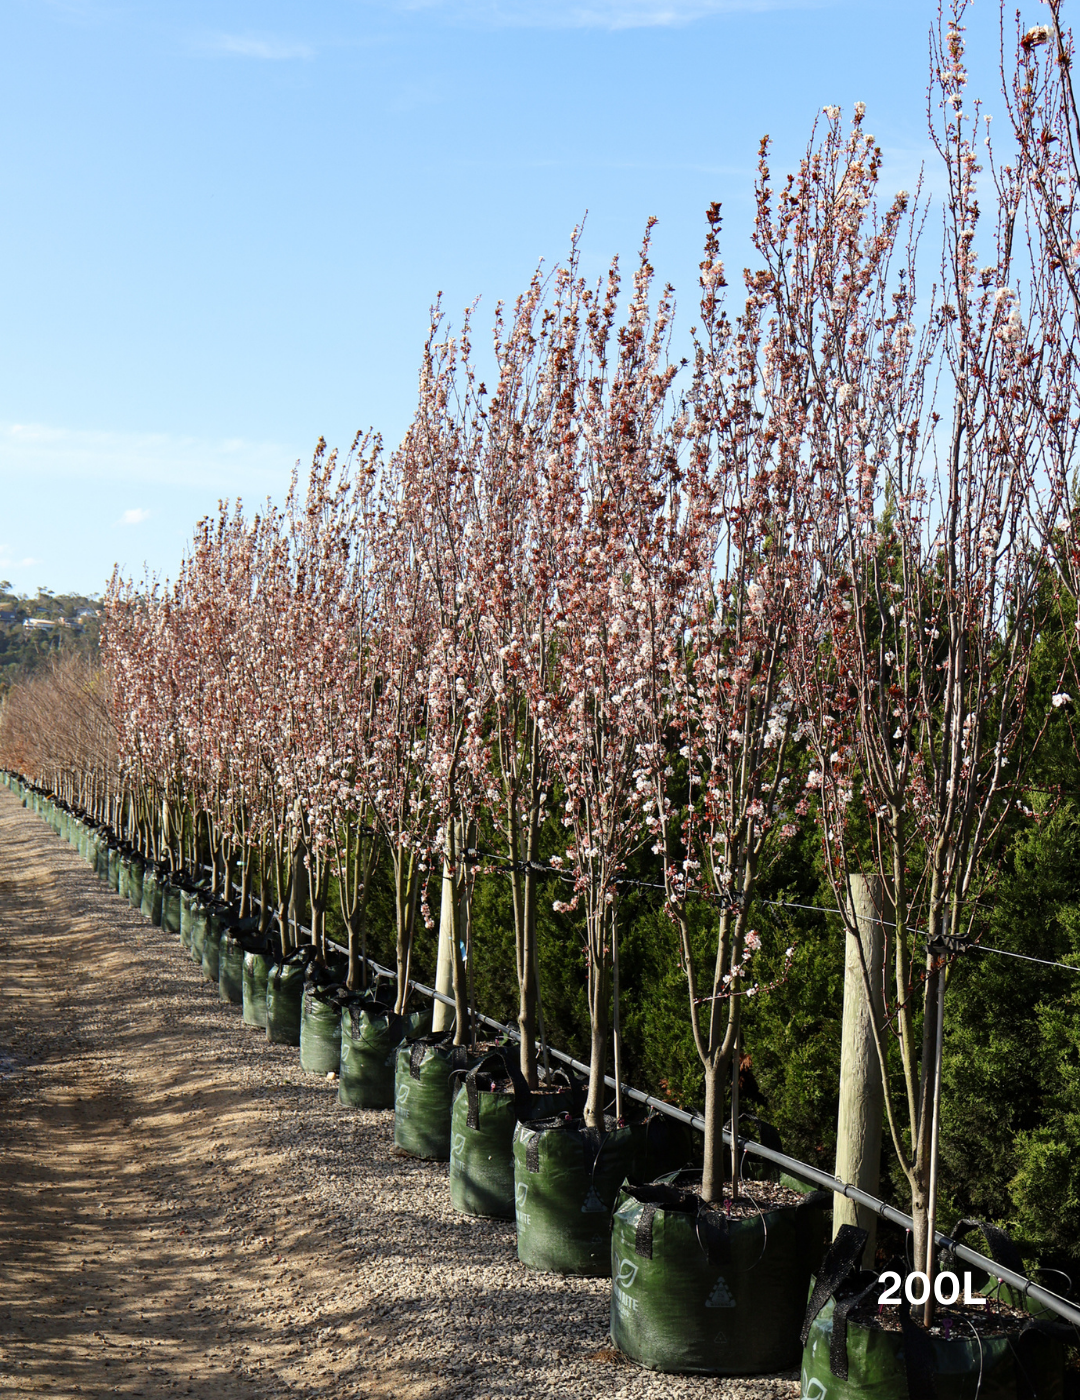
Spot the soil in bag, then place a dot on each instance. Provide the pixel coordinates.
(320, 1027)
(371, 1031)
(566, 1178)
(712, 1288)
(490, 1099)
(423, 1095)
(284, 996)
(861, 1340)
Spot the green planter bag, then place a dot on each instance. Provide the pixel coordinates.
(188, 907)
(171, 907)
(848, 1356)
(236, 934)
(696, 1291)
(200, 921)
(135, 882)
(489, 1102)
(566, 1178)
(231, 967)
(284, 996)
(423, 1095)
(123, 881)
(320, 1028)
(211, 953)
(371, 1032)
(113, 879)
(151, 894)
(259, 958)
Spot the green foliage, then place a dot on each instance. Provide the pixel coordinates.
(23, 650)
(1011, 1090)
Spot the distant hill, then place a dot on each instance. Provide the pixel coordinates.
(60, 623)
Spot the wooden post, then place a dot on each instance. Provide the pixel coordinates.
(858, 1131)
(442, 1016)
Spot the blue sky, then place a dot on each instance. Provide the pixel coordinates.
(224, 223)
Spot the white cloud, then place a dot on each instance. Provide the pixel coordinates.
(263, 46)
(598, 14)
(134, 517)
(9, 565)
(37, 452)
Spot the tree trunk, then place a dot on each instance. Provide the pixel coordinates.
(442, 1014)
(598, 1016)
(297, 893)
(858, 1132)
(712, 1175)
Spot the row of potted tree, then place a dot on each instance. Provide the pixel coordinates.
(797, 578)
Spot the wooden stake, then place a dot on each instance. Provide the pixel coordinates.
(858, 1131)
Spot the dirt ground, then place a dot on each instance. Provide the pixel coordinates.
(132, 1260)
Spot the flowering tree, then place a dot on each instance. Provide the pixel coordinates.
(912, 683)
(391, 776)
(56, 729)
(511, 766)
(438, 510)
(731, 585)
(598, 528)
(1042, 183)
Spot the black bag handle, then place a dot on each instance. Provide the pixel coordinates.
(918, 1356)
(839, 1262)
(999, 1246)
(574, 1083)
(522, 1092)
(375, 1009)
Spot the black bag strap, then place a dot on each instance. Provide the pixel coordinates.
(847, 1300)
(838, 1263)
(1026, 1361)
(766, 1133)
(1000, 1248)
(643, 1233)
(416, 1058)
(395, 1023)
(918, 1356)
(521, 1090)
(713, 1232)
(574, 1083)
(472, 1089)
(532, 1153)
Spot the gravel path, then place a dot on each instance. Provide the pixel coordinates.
(184, 1211)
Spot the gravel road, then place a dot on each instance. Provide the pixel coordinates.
(183, 1211)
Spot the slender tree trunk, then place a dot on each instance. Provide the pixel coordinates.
(599, 992)
(458, 894)
(528, 982)
(712, 1177)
